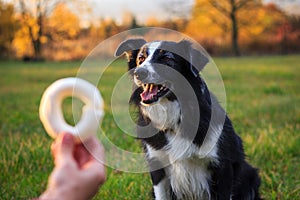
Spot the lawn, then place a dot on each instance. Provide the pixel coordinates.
(263, 101)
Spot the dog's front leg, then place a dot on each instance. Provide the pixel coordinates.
(161, 185)
(157, 160)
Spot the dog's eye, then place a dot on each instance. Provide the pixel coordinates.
(141, 59)
(168, 57)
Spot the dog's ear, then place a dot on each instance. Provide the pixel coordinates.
(129, 45)
(195, 58)
(131, 48)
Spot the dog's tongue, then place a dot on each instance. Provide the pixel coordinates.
(149, 92)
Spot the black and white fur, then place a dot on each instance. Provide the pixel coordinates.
(207, 164)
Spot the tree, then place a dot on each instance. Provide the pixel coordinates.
(232, 15)
(62, 24)
(108, 27)
(33, 15)
(8, 28)
(129, 20)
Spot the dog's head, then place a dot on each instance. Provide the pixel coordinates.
(156, 65)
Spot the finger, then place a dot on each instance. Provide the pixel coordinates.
(95, 167)
(53, 148)
(65, 144)
(95, 170)
(81, 155)
(95, 148)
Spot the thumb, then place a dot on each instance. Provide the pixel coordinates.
(64, 149)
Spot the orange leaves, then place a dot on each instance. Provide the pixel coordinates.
(215, 21)
(8, 27)
(22, 42)
(63, 24)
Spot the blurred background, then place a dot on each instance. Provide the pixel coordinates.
(254, 43)
(68, 30)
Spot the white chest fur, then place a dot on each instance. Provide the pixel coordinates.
(164, 114)
(189, 179)
(186, 168)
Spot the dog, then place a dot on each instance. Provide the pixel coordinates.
(190, 144)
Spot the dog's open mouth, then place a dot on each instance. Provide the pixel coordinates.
(153, 92)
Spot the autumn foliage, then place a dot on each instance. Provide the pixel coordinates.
(222, 27)
(248, 24)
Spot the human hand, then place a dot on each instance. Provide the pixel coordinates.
(77, 174)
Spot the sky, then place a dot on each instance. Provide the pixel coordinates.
(291, 6)
(160, 9)
(143, 9)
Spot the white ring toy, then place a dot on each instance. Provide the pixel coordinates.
(51, 113)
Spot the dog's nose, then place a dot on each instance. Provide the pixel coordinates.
(141, 73)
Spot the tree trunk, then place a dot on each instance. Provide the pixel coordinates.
(235, 30)
(38, 44)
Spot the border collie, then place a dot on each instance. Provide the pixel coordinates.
(191, 147)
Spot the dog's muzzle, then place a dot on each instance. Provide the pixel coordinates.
(153, 88)
(141, 73)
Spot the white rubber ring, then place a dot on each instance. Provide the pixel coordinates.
(51, 113)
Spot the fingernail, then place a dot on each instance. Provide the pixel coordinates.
(67, 138)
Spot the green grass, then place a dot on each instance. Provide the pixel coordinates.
(262, 100)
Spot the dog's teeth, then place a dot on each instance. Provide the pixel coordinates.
(151, 87)
(147, 87)
(161, 88)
